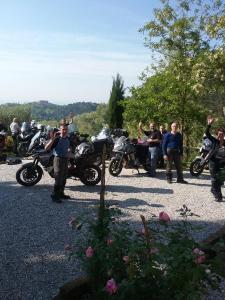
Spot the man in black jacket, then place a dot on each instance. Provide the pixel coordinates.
(217, 159)
(154, 139)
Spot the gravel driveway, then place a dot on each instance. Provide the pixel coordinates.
(34, 230)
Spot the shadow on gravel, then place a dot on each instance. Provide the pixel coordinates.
(34, 231)
(134, 202)
(132, 189)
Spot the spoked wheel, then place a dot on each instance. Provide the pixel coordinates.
(90, 175)
(29, 174)
(115, 167)
(196, 168)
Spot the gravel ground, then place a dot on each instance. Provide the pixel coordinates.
(34, 230)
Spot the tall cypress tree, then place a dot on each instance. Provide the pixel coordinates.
(115, 107)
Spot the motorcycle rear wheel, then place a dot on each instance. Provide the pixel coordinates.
(29, 175)
(91, 175)
(196, 168)
(115, 167)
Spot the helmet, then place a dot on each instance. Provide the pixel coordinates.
(40, 127)
(33, 123)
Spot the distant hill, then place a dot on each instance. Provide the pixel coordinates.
(44, 110)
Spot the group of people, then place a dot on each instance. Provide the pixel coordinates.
(171, 145)
(167, 144)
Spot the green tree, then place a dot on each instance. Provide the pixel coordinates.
(115, 106)
(92, 122)
(8, 112)
(180, 35)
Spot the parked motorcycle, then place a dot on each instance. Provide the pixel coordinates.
(128, 154)
(24, 139)
(80, 166)
(201, 161)
(37, 142)
(104, 138)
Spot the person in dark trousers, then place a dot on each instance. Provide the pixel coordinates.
(163, 132)
(60, 144)
(172, 152)
(15, 130)
(154, 138)
(217, 159)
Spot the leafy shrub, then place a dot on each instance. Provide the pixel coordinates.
(160, 262)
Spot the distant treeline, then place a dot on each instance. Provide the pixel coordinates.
(43, 110)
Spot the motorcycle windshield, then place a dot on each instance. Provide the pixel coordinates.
(24, 127)
(34, 138)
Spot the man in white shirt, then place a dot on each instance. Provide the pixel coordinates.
(15, 130)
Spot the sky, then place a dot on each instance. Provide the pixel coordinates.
(68, 51)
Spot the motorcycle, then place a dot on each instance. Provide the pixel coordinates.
(37, 142)
(104, 138)
(128, 154)
(201, 161)
(24, 139)
(79, 166)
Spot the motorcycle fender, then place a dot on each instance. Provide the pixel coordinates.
(29, 165)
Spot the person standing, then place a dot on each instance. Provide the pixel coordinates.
(173, 152)
(60, 144)
(163, 132)
(154, 138)
(217, 159)
(15, 130)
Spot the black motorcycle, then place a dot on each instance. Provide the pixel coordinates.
(128, 154)
(79, 167)
(201, 161)
(24, 139)
(103, 139)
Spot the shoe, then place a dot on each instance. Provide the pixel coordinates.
(218, 199)
(182, 181)
(56, 199)
(63, 196)
(169, 180)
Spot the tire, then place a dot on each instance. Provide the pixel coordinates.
(23, 149)
(90, 175)
(196, 168)
(29, 174)
(115, 167)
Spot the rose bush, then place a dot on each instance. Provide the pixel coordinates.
(162, 261)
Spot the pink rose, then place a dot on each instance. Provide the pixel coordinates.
(68, 247)
(126, 258)
(111, 286)
(89, 252)
(164, 217)
(200, 259)
(109, 242)
(196, 251)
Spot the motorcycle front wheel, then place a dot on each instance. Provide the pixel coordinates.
(196, 168)
(91, 175)
(29, 174)
(115, 167)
